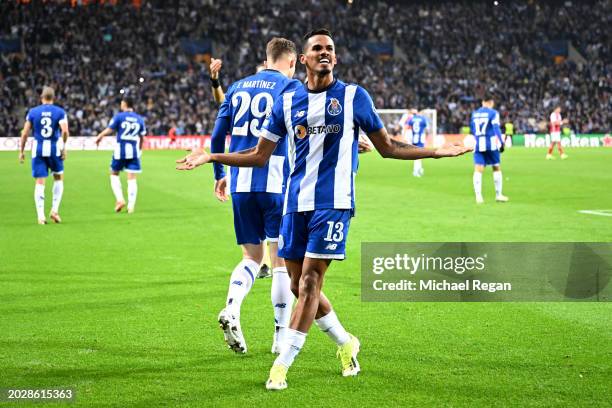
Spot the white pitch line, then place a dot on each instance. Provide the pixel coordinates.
(605, 213)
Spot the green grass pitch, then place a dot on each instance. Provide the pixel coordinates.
(123, 308)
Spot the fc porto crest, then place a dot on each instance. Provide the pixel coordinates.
(334, 108)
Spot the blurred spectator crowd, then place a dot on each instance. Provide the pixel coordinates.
(446, 55)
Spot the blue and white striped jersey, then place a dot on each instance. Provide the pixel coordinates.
(130, 127)
(418, 124)
(243, 112)
(45, 120)
(484, 125)
(322, 131)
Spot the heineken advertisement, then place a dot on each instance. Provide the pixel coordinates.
(572, 140)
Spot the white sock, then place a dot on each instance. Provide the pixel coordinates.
(497, 180)
(116, 186)
(330, 325)
(39, 200)
(241, 282)
(477, 179)
(282, 301)
(132, 193)
(58, 191)
(291, 348)
(417, 166)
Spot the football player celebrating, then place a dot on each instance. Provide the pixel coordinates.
(320, 120)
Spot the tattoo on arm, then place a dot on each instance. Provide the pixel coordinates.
(397, 143)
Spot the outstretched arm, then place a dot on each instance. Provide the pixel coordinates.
(394, 149)
(254, 157)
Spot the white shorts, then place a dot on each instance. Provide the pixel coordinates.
(555, 136)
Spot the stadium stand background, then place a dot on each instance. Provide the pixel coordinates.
(442, 54)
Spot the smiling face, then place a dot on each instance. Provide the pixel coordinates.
(319, 55)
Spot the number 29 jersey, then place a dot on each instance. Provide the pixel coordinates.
(247, 103)
(130, 127)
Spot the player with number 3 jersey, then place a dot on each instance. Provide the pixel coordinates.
(47, 121)
(130, 129)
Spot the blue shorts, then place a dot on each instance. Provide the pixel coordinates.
(129, 165)
(317, 234)
(41, 166)
(488, 158)
(257, 216)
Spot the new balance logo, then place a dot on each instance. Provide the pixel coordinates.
(237, 282)
(331, 247)
(300, 114)
(281, 305)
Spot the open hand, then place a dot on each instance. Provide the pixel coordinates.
(451, 150)
(220, 189)
(196, 158)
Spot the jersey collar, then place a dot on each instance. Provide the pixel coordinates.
(327, 88)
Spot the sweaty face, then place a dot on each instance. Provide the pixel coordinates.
(320, 55)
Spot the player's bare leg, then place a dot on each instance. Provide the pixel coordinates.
(498, 181)
(241, 281)
(39, 200)
(58, 192)
(281, 296)
(306, 283)
(115, 182)
(132, 189)
(477, 181)
(551, 147)
(327, 321)
(265, 270)
(561, 152)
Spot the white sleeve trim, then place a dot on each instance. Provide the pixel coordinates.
(265, 133)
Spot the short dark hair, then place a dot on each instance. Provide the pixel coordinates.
(488, 96)
(320, 31)
(277, 47)
(129, 101)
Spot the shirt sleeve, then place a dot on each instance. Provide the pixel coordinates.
(28, 117)
(225, 110)
(217, 143)
(114, 123)
(274, 127)
(63, 117)
(143, 128)
(364, 112)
